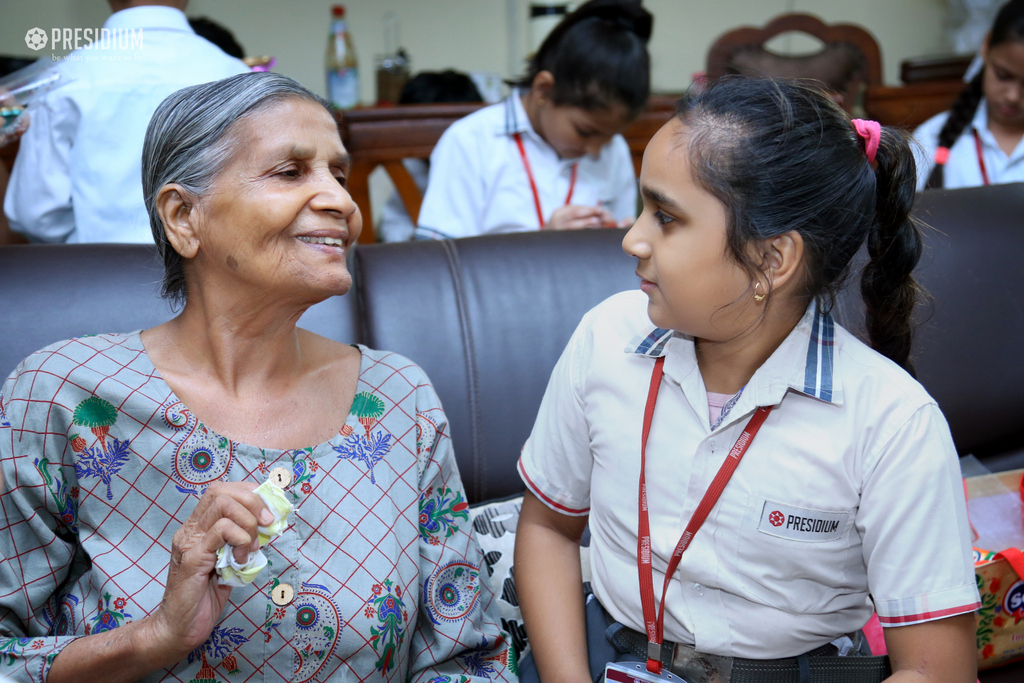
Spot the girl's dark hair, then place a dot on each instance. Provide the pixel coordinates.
(218, 35)
(598, 56)
(1008, 26)
(439, 86)
(782, 156)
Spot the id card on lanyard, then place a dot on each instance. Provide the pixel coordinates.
(654, 620)
(632, 672)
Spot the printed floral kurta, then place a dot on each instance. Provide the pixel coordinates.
(102, 464)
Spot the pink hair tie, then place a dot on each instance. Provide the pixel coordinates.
(871, 131)
(942, 156)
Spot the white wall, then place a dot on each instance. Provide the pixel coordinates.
(474, 34)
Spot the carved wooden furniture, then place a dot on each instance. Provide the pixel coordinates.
(931, 85)
(849, 60)
(931, 69)
(911, 105)
(7, 154)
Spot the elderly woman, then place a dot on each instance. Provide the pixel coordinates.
(131, 459)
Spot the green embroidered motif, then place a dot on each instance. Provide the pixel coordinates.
(108, 619)
(62, 494)
(439, 511)
(368, 409)
(304, 470)
(391, 616)
(11, 648)
(98, 415)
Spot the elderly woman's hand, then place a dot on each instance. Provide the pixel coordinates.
(227, 514)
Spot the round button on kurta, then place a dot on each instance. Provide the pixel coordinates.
(281, 477)
(282, 595)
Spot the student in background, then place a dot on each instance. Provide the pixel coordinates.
(217, 34)
(979, 140)
(551, 156)
(427, 87)
(77, 176)
(786, 436)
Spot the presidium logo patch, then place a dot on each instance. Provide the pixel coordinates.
(801, 524)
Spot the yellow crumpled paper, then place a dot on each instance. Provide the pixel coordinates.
(230, 572)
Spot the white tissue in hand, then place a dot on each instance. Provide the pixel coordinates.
(234, 574)
(279, 505)
(230, 572)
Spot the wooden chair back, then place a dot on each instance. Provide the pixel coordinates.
(911, 105)
(384, 136)
(7, 154)
(850, 58)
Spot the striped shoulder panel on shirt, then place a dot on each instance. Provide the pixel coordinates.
(651, 344)
(820, 356)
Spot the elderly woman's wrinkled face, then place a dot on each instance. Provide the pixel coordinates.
(278, 216)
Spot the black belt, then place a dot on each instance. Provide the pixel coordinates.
(822, 665)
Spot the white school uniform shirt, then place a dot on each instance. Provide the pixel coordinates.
(78, 173)
(850, 491)
(478, 183)
(962, 168)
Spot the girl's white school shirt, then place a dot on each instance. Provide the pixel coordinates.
(850, 492)
(962, 168)
(478, 183)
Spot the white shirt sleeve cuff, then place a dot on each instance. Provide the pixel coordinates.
(928, 607)
(556, 500)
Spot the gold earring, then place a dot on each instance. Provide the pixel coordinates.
(757, 297)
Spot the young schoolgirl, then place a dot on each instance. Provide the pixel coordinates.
(551, 155)
(757, 480)
(980, 140)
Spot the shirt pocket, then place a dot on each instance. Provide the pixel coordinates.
(793, 556)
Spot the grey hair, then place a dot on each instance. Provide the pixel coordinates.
(187, 143)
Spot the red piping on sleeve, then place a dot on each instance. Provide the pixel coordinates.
(540, 494)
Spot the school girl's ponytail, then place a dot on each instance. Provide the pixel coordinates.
(894, 245)
(628, 14)
(960, 114)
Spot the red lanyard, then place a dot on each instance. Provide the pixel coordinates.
(981, 159)
(533, 185)
(656, 625)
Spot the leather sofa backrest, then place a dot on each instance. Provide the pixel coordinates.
(487, 318)
(49, 293)
(969, 343)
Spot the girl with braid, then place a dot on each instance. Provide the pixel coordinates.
(757, 480)
(979, 140)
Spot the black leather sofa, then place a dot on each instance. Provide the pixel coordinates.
(488, 317)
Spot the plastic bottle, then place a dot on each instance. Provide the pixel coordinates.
(341, 63)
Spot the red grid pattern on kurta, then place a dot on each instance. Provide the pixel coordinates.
(128, 538)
